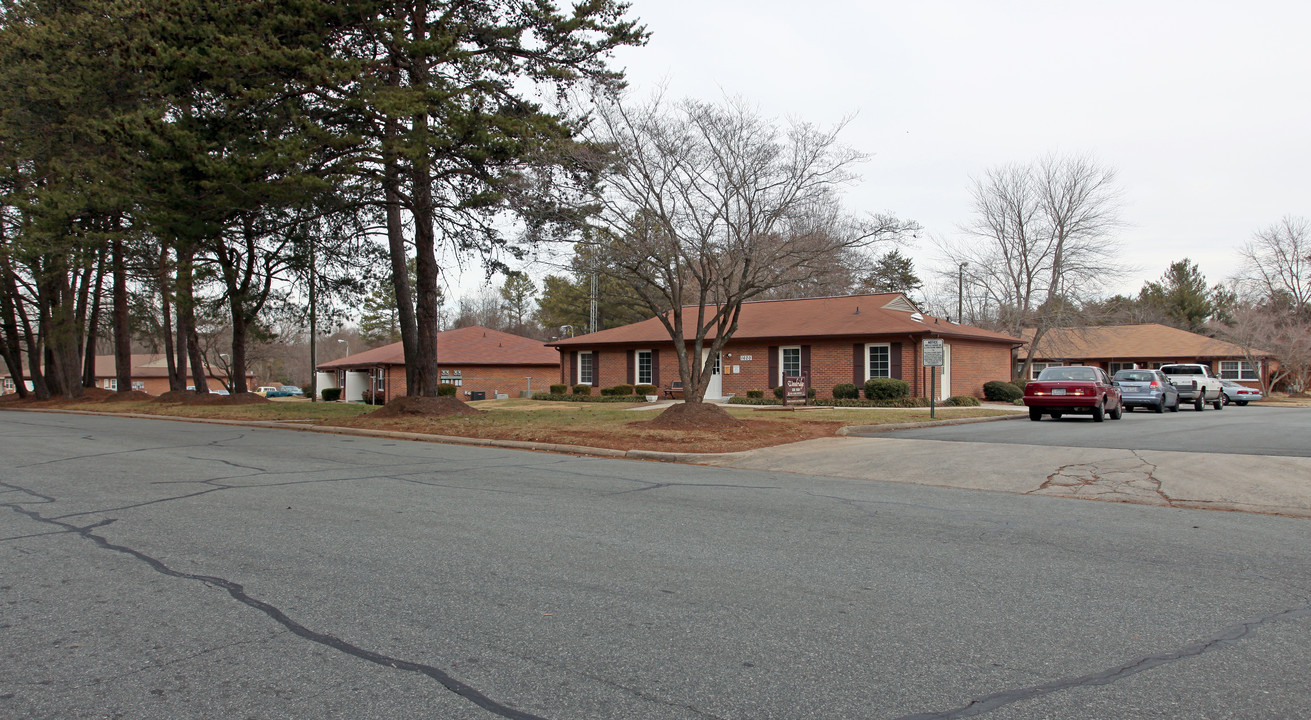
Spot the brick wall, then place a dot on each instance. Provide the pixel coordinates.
(491, 379)
(831, 363)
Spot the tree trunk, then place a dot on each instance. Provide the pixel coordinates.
(13, 353)
(93, 325)
(122, 324)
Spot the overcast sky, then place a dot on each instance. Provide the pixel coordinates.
(1201, 107)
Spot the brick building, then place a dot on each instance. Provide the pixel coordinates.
(149, 374)
(1150, 345)
(832, 340)
(475, 359)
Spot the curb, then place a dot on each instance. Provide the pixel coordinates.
(847, 430)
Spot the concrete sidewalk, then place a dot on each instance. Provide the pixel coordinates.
(1250, 483)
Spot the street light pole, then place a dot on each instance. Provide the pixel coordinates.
(348, 346)
(960, 294)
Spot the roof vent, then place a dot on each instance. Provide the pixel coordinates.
(917, 317)
(857, 310)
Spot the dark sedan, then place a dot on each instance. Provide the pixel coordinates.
(1147, 388)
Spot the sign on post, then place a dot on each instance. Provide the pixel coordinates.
(932, 352)
(794, 390)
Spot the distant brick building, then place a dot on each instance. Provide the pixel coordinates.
(1151, 345)
(149, 374)
(475, 359)
(834, 340)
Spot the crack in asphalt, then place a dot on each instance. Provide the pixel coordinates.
(1224, 638)
(1103, 480)
(238, 593)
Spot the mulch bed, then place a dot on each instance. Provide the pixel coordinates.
(411, 406)
(692, 416)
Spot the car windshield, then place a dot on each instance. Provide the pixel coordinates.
(1068, 373)
(1135, 376)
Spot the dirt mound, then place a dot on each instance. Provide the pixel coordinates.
(444, 405)
(96, 394)
(127, 396)
(187, 397)
(694, 416)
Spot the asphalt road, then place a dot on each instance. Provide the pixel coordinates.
(154, 569)
(1250, 430)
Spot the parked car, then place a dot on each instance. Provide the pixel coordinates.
(264, 390)
(1196, 384)
(1073, 389)
(1240, 394)
(290, 391)
(1146, 388)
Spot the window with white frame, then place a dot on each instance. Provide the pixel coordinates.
(380, 380)
(139, 385)
(1239, 370)
(790, 365)
(111, 384)
(585, 376)
(643, 362)
(9, 384)
(878, 361)
(1037, 368)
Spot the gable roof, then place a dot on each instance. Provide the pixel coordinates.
(144, 365)
(1147, 342)
(473, 345)
(844, 316)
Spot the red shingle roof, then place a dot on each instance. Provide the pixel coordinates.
(474, 345)
(1148, 342)
(846, 316)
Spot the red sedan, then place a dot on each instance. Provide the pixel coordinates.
(1073, 389)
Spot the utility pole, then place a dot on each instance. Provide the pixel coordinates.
(960, 294)
(592, 324)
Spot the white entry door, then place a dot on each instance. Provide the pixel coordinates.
(716, 388)
(944, 392)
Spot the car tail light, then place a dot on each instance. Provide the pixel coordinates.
(1077, 391)
(1155, 384)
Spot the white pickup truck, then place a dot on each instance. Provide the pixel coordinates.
(1196, 384)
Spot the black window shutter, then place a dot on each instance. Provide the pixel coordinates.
(805, 362)
(773, 366)
(655, 368)
(858, 364)
(573, 368)
(632, 367)
(894, 361)
(596, 368)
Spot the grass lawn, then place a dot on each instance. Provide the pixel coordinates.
(620, 426)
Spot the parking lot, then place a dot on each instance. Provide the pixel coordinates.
(1251, 430)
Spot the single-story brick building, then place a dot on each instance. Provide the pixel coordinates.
(149, 374)
(1151, 345)
(475, 359)
(831, 340)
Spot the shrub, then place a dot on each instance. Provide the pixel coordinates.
(962, 401)
(308, 390)
(1002, 391)
(559, 389)
(778, 392)
(810, 393)
(755, 393)
(445, 389)
(330, 394)
(845, 391)
(886, 389)
(618, 390)
(646, 390)
(372, 397)
(582, 389)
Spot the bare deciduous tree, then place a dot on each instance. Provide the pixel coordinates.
(1039, 245)
(711, 205)
(1278, 261)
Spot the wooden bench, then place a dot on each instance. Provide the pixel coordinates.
(674, 390)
